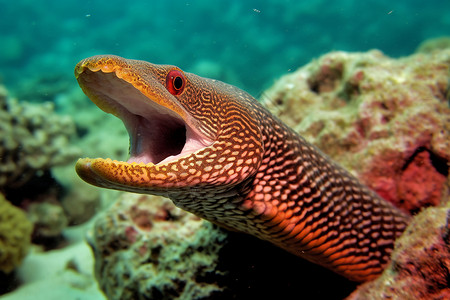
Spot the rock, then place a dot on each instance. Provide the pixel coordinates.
(48, 218)
(144, 245)
(386, 120)
(33, 139)
(434, 44)
(15, 236)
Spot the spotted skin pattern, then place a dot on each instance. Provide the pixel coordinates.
(256, 176)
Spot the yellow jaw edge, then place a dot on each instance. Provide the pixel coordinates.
(120, 175)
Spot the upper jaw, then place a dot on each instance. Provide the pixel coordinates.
(158, 135)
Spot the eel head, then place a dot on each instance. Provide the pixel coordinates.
(187, 133)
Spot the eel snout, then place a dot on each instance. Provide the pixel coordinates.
(157, 133)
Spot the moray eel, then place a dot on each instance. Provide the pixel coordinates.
(216, 152)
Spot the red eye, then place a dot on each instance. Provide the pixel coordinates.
(175, 82)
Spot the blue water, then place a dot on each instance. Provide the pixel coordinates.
(246, 43)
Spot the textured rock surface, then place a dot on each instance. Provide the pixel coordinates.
(32, 139)
(146, 248)
(15, 235)
(48, 218)
(386, 120)
(434, 44)
(420, 266)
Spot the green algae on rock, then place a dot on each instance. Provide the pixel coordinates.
(386, 120)
(15, 235)
(144, 245)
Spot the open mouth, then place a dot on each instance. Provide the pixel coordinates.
(157, 134)
(153, 140)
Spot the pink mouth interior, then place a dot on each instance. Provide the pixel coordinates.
(157, 134)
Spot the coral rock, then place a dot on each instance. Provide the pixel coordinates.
(48, 218)
(386, 120)
(419, 184)
(145, 247)
(33, 138)
(15, 235)
(434, 44)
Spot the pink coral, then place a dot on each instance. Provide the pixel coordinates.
(420, 184)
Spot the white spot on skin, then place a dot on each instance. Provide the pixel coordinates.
(228, 166)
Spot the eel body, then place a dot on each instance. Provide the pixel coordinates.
(216, 152)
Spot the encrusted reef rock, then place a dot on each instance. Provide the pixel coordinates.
(146, 248)
(420, 266)
(434, 44)
(33, 138)
(386, 120)
(48, 218)
(15, 235)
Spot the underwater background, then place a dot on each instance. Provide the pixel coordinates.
(46, 122)
(245, 43)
